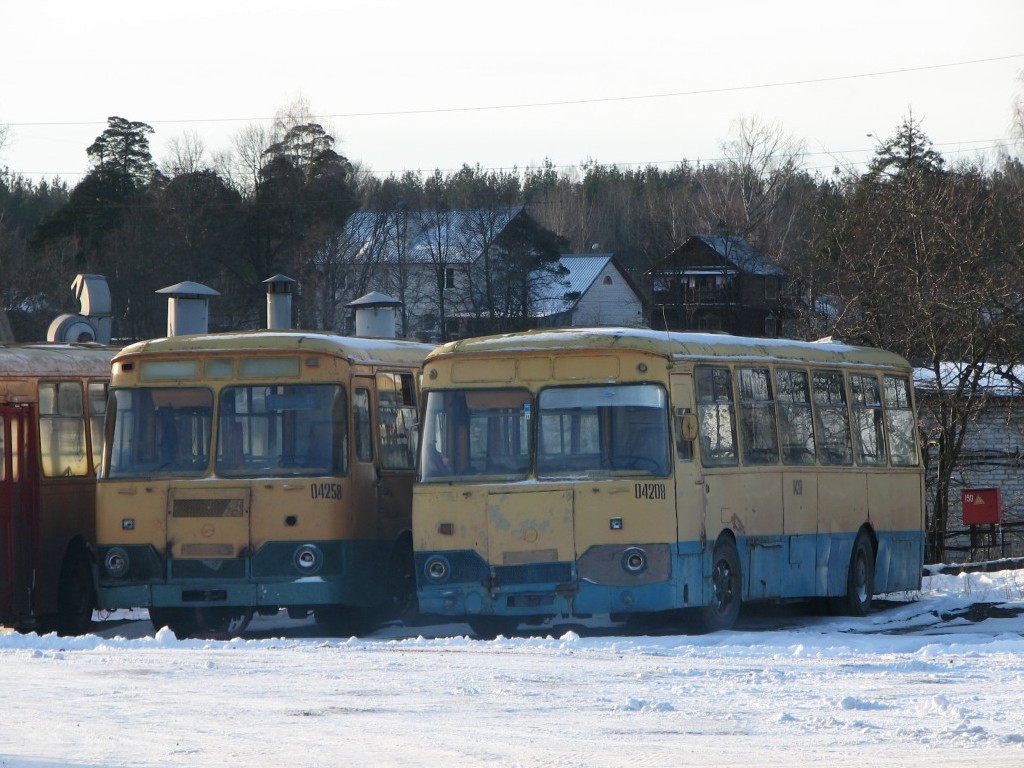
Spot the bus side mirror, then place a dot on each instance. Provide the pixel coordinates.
(688, 427)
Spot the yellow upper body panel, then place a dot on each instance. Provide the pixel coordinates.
(614, 354)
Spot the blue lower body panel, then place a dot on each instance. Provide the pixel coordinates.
(663, 577)
(350, 573)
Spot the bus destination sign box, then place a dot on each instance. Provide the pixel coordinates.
(982, 506)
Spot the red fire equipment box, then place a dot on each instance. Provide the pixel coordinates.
(982, 506)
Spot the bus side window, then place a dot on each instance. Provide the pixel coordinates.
(396, 420)
(832, 419)
(899, 421)
(97, 414)
(759, 441)
(62, 429)
(717, 414)
(361, 419)
(867, 419)
(796, 424)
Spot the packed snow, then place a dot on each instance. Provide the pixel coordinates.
(928, 679)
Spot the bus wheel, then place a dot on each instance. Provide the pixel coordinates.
(75, 596)
(723, 607)
(489, 627)
(860, 580)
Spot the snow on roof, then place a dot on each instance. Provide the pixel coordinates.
(740, 252)
(560, 293)
(993, 380)
(56, 359)
(418, 236)
(286, 342)
(674, 345)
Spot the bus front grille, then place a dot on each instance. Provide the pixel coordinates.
(533, 573)
(208, 508)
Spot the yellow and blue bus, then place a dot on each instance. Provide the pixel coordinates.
(250, 472)
(52, 401)
(567, 473)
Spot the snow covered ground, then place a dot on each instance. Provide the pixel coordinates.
(935, 679)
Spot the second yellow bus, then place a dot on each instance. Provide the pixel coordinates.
(625, 471)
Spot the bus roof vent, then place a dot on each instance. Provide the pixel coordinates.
(279, 302)
(188, 307)
(94, 319)
(375, 315)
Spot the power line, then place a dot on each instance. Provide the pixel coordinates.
(982, 145)
(560, 103)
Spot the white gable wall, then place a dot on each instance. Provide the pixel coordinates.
(609, 304)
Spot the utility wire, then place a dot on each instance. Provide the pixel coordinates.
(561, 103)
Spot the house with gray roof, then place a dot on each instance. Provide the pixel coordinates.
(588, 289)
(720, 283)
(455, 272)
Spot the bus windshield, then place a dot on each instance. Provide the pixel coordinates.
(160, 431)
(295, 429)
(599, 429)
(476, 432)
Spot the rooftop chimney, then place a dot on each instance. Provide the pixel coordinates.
(279, 302)
(188, 308)
(375, 315)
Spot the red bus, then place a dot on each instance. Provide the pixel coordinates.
(52, 404)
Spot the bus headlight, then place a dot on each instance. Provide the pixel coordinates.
(308, 558)
(437, 570)
(116, 562)
(634, 560)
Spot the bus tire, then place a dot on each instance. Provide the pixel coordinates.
(76, 598)
(860, 580)
(723, 607)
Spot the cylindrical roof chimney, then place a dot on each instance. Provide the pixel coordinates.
(375, 315)
(188, 308)
(279, 302)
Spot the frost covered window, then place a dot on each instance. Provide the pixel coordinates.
(97, 415)
(716, 413)
(62, 442)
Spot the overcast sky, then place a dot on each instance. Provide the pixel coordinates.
(420, 85)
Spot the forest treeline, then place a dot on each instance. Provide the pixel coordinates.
(912, 253)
